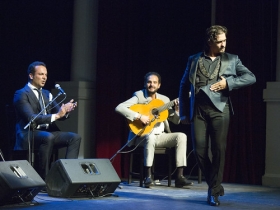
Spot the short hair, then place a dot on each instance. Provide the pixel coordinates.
(152, 73)
(212, 33)
(31, 67)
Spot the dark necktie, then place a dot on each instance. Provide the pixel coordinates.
(40, 97)
(42, 105)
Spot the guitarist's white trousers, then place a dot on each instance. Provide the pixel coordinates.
(177, 140)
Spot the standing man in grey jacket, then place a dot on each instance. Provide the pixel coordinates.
(205, 103)
(160, 134)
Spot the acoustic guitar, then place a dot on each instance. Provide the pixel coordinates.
(155, 109)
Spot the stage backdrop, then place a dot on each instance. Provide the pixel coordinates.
(141, 36)
(138, 36)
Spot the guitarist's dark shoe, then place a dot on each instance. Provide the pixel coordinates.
(148, 182)
(43, 190)
(182, 181)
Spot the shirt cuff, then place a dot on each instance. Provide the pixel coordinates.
(53, 117)
(137, 116)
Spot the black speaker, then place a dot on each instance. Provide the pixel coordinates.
(82, 178)
(19, 182)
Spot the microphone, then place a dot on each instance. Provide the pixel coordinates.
(57, 86)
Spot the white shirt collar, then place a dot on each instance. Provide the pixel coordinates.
(32, 86)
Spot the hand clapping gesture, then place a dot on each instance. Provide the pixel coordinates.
(66, 108)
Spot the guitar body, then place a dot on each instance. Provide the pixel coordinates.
(150, 109)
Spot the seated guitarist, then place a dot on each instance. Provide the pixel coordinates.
(160, 135)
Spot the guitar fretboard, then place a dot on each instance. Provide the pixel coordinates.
(166, 106)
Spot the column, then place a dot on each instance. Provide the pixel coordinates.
(213, 12)
(83, 77)
(271, 96)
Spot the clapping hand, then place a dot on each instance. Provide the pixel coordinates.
(66, 108)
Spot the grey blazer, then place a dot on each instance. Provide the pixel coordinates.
(141, 97)
(236, 74)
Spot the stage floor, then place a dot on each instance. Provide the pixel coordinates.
(161, 197)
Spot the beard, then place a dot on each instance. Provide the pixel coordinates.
(152, 91)
(223, 50)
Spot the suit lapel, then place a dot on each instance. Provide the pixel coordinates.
(32, 97)
(224, 63)
(146, 98)
(193, 68)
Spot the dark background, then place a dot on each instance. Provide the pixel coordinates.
(138, 36)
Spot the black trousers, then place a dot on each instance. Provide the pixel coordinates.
(210, 122)
(46, 140)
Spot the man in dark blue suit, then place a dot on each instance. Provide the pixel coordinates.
(205, 103)
(46, 134)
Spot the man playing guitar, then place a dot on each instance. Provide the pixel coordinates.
(150, 128)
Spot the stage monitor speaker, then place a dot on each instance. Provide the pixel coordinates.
(82, 178)
(19, 182)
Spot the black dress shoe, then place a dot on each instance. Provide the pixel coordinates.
(148, 182)
(182, 181)
(213, 200)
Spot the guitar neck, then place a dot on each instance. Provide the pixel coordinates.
(166, 106)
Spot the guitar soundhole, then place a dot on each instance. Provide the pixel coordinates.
(155, 112)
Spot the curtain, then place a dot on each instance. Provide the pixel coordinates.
(135, 37)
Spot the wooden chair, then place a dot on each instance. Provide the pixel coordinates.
(140, 151)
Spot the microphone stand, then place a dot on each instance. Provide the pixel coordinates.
(33, 126)
(137, 135)
(122, 148)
